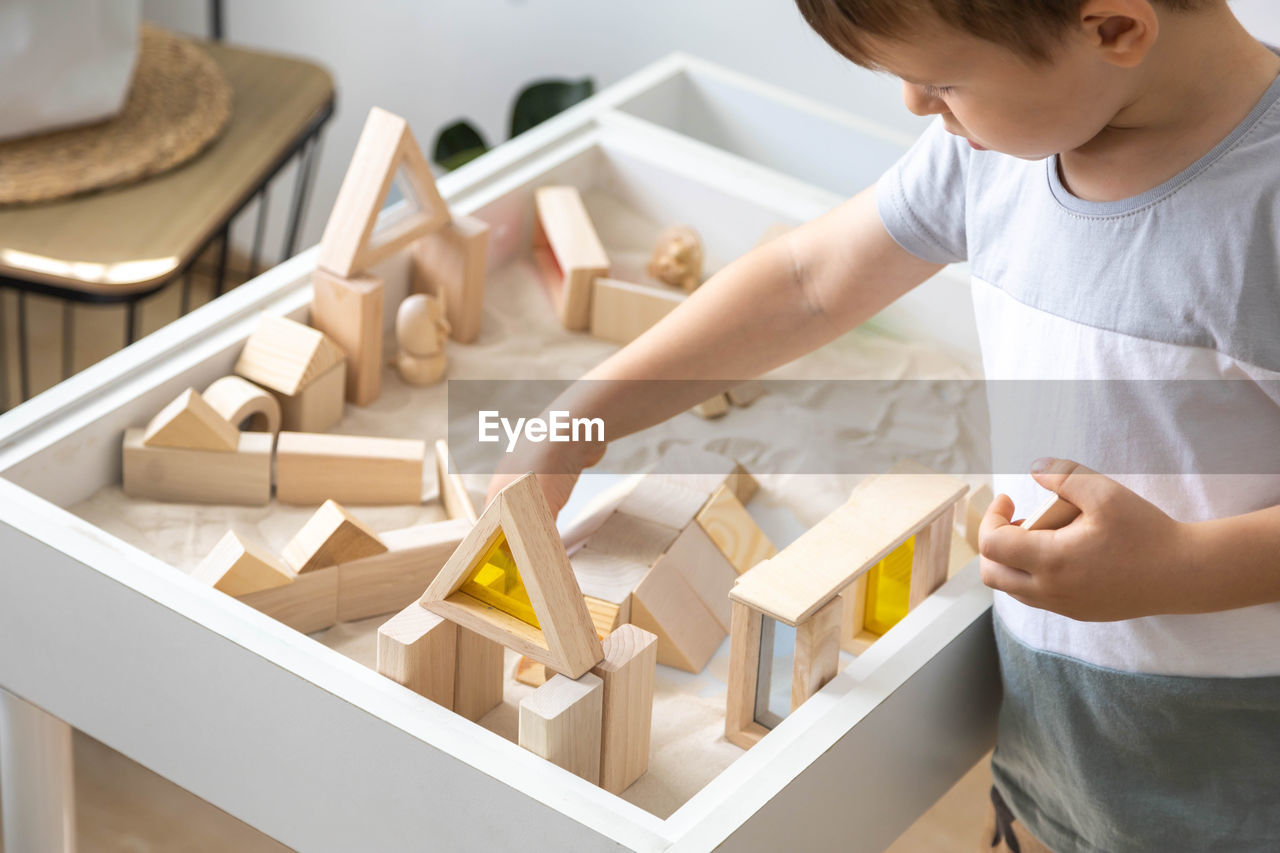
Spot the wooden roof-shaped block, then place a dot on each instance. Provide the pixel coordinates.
(882, 513)
(237, 567)
(285, 355)
(331, 536)
(191, 423)
(564, 637)
(349, 244)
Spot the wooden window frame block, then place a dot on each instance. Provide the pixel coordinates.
(348, 245)
(740, 726)
(568, 253)
(451, 263)
(567, 640)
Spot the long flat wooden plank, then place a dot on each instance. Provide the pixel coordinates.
(879, 516)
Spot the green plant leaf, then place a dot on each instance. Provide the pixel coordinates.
(457, 144)
(541, 100)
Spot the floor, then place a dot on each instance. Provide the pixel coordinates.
(122, 807)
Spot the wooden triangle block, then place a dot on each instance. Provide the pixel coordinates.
(237, 567)
(285, 355)
(191, 423)
(330, 537)
(349, 245)
(565, 638)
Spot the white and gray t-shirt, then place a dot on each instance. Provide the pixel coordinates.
(1164, 311)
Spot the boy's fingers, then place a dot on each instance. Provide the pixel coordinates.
(1072, 481)
(1005, 579)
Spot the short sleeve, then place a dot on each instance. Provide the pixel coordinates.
(921, 199)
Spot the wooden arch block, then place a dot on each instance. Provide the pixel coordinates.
(190, 423)
(564, 637)
(349, 244)
(239, 400)
(330, 537)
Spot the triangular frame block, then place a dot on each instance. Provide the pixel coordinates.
(349, 245)
(567, 641)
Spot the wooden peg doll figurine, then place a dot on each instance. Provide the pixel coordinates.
(421, 331)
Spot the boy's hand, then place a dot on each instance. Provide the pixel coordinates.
(1114, 561)
(557, 466)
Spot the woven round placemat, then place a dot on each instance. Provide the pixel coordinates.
(178, 103)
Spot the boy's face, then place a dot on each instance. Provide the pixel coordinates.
(999, 100)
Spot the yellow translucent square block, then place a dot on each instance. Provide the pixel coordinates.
(496, 582)
(889, 589)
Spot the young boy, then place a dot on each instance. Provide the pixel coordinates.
(1111, 171)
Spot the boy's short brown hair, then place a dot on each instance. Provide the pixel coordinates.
(1029, 28)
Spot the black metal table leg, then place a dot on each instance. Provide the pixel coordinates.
(24, 380)
(131, 322)
(4, 357)
(259, 230)
(222, 259)
(68, 339)
(185, 305)
(301, 185)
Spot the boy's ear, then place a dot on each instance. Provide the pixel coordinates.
(1125, 30)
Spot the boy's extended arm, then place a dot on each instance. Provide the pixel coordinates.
(772, 305)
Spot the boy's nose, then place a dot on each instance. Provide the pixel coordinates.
(921, 103)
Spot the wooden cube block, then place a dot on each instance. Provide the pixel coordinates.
(622, 311)
(451, 263)
(350, 311)
(319, 405)
(389, 581)
(707, 571)
(191, 423)
(331, 536)
(351, 469)
(560, 721)
(478, 683)
(309, 604)
(627, 674)
(664, 604)
(237, 567)
(713, 407)
(418, 649)
(199, 476)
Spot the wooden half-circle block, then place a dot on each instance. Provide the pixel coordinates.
(239, 400)
(191, 423)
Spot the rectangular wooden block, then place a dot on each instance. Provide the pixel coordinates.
(622, 311)
(707, 571)
(664, 499)
(817, 656)
(453, 492)
(199, 476)
(478, 682)
(388, 582)
(418, 649)
(350, 310)
(351, 469)
(664, 604)
(627, 673)
(317, 406)
(568, 253)
(560, 721)
(451, 263)
(309, 604)
(630, 537)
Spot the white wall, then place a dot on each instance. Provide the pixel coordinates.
(433, 61)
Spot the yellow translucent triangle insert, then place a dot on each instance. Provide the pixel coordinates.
(889, 589)
(496, 582)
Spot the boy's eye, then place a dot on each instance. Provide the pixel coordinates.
(937, 91)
